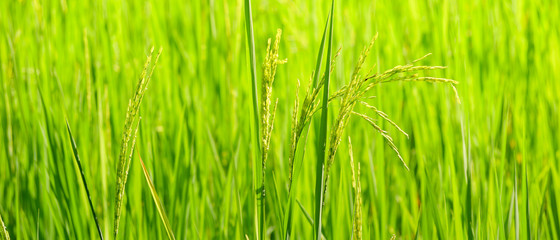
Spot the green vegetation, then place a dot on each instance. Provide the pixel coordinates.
(4, 234)
(232, 149)
(157, 201)
(79, 163)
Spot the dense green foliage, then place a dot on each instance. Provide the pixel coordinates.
(486, 168)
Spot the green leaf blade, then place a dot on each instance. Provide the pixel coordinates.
(157, 201)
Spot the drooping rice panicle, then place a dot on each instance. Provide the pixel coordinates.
(384, 116)
(125, 155)
(356, 92)
(384, 134)
(349, 99)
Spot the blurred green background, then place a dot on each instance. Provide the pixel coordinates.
(485, 168)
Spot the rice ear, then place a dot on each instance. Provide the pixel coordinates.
(357, 189)
(4, 231)
(125, 155)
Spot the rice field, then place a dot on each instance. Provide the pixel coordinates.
(278, 119)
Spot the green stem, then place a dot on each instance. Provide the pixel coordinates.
(256, 150)
(322, 141)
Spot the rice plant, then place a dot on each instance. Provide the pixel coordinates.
(356, 90)
(257, 168)
(126, 151)
(356, 93)
(236, 145)
(267, 114)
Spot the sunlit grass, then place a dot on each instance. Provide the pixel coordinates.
(484, 168)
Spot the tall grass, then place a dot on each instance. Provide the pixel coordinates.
(202, 121)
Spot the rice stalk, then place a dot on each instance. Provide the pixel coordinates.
(126, 151)
(157, 201)
(4, 231)
(256, 150)
(357, 189)
(527, 205)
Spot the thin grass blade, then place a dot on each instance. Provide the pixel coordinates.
(256, 149)
(516, 204)
(528, 213)
(79, 163)
(305, 213)
(322, 140)
(157, 201)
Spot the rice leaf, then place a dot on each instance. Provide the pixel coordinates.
(554, 217)
(78, 162)
(322, 140)
(257, 171)
(157, 201)
(305, 213)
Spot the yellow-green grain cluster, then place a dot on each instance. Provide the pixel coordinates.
(4, 232)
(126, 151)
(309, 107)
(267, 116)
(356, 92)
